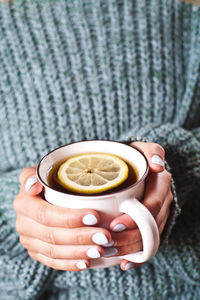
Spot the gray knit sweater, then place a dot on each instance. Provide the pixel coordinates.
(123, 70)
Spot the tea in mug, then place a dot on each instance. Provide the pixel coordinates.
(56, 184)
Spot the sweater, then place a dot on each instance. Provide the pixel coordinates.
(123, 70)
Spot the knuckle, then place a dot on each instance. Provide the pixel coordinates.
(22, 175)
(32, 255)
(65, 266)
(156, 206)
(160, 229)
(69, 220)
(16, 203)
(129, 240)
(50, 237)
(130, 248)
(42, 215)
(18, 226)
(79, 255)
(171, 197)
(159, 148)
(50, 252)
(167, 176)
(24, 241)
(61, 265)
(53, 263)
(80, 239)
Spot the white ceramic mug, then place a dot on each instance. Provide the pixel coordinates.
(109, 205)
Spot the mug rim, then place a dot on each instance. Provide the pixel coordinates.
(88, 195)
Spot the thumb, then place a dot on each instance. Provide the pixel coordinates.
(154, 153)
(29, 181)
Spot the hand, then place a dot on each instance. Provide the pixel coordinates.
(157, 198)
(57, 237)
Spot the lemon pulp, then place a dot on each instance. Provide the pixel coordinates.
(91, 173)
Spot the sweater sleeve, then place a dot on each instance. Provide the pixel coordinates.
(20, 276)
(182, 149)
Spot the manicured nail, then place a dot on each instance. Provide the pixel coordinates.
(157, 160)
(89, 219)
(81, 265)
(30, 182)
(119, 227)
(109, 244)
(129, 266)
(99, 238)
(93, 253)
(110, 251)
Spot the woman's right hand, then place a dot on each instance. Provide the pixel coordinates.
(57, 237)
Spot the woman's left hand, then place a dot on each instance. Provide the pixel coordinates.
(157, 198)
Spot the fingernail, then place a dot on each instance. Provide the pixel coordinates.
(110, 251)
(89, 219)
(81, 265)
(30, 182)
(100, 238)
(157, 160)
(119, 227)
(109, 244)
(93, 253)
(129, 266)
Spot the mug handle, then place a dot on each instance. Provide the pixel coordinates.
(148, 229)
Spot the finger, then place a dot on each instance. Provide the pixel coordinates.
(123, 250)
(50, 215)
(126, 265)
(29, 181)
(161, 221)
(165, 208)
(61, 251)
(154, 153)
(62, 236)
(60, 264)
(121, 223)
(157, 187)
(133, 248)
(162, 225)
(127, 237)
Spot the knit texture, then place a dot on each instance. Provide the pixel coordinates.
(121, 70)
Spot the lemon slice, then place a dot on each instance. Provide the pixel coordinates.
(92, 173)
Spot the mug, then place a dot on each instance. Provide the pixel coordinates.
(109, 205)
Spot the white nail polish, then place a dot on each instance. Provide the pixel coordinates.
(109, 244)
(89, 219)
(157, 160)
(119, 228)
(110, 251)
(30, 182)
(93, 253)
(100, 238)
(129, 266)
(81, 265)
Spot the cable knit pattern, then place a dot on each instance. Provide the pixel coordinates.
(120, 70)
